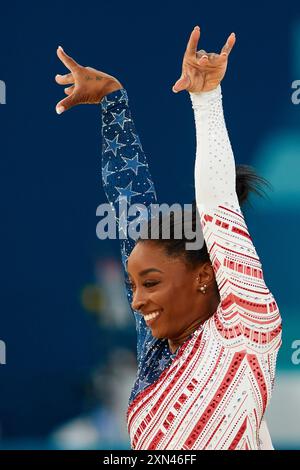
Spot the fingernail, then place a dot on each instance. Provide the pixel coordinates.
(174, 91)
(60, 109)
(197, 27)
(59, 47)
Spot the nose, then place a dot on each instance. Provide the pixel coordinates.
(137, 301)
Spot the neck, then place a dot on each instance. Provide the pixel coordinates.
(175, 343)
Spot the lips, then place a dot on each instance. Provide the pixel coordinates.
(151, 317)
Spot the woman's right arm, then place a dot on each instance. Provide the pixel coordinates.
(125, 171)
(125, 174)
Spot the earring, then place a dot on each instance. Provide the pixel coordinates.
(203, 289)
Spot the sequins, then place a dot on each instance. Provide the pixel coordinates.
(220, 383)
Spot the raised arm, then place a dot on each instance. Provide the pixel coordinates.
(125, 173)
(248, 312)
(247, 308)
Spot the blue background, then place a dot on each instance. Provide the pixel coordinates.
(51, 181)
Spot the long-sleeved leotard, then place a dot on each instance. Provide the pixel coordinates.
(212, 393)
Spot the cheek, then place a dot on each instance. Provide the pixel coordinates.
(163, 297)
(182, 296)
(174, 297)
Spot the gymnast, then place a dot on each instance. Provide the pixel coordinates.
(208, 328)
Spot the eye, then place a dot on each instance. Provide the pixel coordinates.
(147, 284)
(150, 283)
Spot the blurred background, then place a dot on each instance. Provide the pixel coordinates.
(67, 336)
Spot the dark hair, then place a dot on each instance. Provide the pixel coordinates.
(247, 182)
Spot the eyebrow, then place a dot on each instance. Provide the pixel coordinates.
(147, 271)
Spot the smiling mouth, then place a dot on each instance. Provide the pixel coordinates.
(151, 317)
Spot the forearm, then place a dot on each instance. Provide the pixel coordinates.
(215, 166)
(125, 171)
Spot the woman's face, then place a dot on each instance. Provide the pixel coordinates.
(164, 287)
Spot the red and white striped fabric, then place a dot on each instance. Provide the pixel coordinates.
(216, 390)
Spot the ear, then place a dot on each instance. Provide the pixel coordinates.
(206, 275)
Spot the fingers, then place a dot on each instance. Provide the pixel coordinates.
(66, 103)
(181, 84)
(70, 63)
(202, 56)
(227, 48)
(192, 45)
(69, 90)
(64, 79)
(67, 79)
(210, 58)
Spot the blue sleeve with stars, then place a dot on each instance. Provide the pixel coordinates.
(125, 174)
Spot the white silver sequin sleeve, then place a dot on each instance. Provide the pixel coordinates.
(247, 312)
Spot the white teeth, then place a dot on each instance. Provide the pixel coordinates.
(150, 316)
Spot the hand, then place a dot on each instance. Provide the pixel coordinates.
(202, 71)
(88, 85)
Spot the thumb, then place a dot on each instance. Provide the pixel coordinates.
(66, 104)
(182, 83)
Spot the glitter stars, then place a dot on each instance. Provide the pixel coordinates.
(136, 140)
(151, 188)
(122, 225)
(113, 145)
(163, 362)
(120, 119)
(142, 385)
(105, 103)
(106, 173)
(132, 163)
(125, 194)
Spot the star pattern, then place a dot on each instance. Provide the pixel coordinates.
(163, 362)
(124, 184)
(136, 140)
(120, 119)
(132, 163)
(105, 103)
(142, 384)
(151, 188)
(126, 193)
(122, 225)
(194, 374)
(106, 173)
(113, 145)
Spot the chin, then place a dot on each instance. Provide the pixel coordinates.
(157, 334)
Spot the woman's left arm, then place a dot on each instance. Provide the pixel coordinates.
(248, 310)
